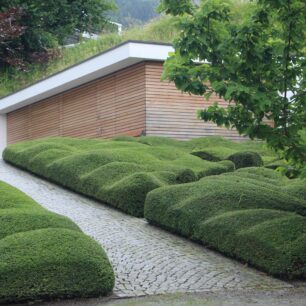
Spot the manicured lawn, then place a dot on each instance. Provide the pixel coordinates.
(252, 214)
(122, 171)
(44, 255)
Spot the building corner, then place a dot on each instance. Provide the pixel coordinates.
(3, 133)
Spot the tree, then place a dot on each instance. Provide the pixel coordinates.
(48, 23)
(135, 12)
(256, 64)
(10, 31)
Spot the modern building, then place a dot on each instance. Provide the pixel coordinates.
(117, 92)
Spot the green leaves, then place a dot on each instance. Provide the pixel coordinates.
(48, 23)
(257, 63)
(175, 7)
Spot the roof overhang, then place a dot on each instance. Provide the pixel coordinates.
(112, 60)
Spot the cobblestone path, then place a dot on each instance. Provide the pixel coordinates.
(146, 259)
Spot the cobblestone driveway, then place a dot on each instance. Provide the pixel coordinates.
(146, 260)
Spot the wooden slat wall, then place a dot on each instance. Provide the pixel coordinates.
(121, 103)
(110, 106)
(172, 113)
(18, 125)
(128, 102)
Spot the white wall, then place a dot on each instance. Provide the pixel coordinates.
(3, 135)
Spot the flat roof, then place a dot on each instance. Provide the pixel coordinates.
(102, 64)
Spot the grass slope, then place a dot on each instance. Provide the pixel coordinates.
(119, 172)
(44, 255)
(252, 214)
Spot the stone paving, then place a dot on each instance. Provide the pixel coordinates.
(146, 259)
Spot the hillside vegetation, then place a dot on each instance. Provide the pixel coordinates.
(39, 253)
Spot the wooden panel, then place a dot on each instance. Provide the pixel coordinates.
(79, 111)
(45, 118)
(112, 105)
(121, 103)
(127, 102)
(18, 125)
(172, 113)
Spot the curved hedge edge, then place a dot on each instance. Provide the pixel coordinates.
(40, 249)
(246, 159)
(179, 209)
(51, 264)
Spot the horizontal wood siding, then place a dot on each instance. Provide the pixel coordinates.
(18, 125)
(121, 103)
(172, 113)
(129, 102)
(106, 107)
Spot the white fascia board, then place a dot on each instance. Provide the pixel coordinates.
(150, 51)
(108, 62)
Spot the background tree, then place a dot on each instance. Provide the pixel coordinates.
(47, 23)
(10, 31)
(135, 12)
(256, 63)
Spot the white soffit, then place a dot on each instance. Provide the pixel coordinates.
(112, 60)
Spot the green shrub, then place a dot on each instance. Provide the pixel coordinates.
(262, 175)
(214, 153)
(296, 187)
(268, 239)
(247, 214)
(246, 159)
(218, 168)
(185, 176)
(23, 220)
(118, 172)
(44, 255)
(52, 263)
(243, 154)
(10, 199)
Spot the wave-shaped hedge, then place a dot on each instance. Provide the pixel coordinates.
(119, 172)
(253, 214)
(44, 255)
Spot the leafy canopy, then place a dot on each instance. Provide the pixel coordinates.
(136, 12)
(256, 63)
(47, 23)
(10, 30)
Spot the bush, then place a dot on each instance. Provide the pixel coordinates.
(44, 255)
(52, 263)
(247, 214)
(213, 153)
(297, 188)
(246, 159)
(118, 172)
(268, 239)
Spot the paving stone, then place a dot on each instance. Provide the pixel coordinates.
(146, 259)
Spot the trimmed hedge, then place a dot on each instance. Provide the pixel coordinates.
(118, 172)
(214, 153)
(246, 159)
(44, 255)
(247, 214)
(217, 149)
(241, 159)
